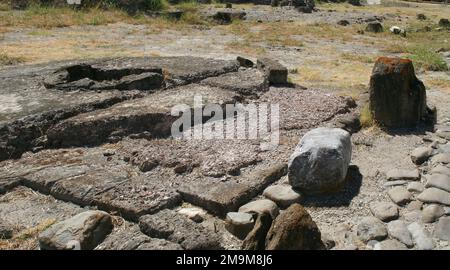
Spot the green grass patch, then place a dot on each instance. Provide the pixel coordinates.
(426, 59)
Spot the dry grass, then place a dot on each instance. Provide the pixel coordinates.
(50, 17)
(366, 117)
(245, 48)
(440, 83)
(352, 57)
(26, 239)
(346, 71)
(43, 17)
(348, 78)
(287, 33)
(7, 59)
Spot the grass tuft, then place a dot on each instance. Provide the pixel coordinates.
(366, 117)
(6, 59)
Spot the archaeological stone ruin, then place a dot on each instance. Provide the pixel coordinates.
(109, 148)
(207, 151)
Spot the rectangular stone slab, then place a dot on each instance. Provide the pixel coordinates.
(129, 237)
(245, 82)
(305, 108)
(83, 189)
(24, 208)
(141, 195)
(88, 177)
(178, 69)
(222, 197)
(175, 227)
(151, 113)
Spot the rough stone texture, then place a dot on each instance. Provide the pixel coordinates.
(282, 195)
(432, 212)
(413, 216)
(135, 116)
(301, 109)
(403, 174)
(86, 77)
(421, 154)
(239, 224)
(384, 211)
(420, 236)
(276, 73)
(444, 23)
(443, 135)
(124, 176)
(261, 206)
(245, 82)
(374, 27)
(305, 6)
(421, 17)
(397, 229)
(442, 230)
(414, 205)
(343, 22)
(6, 230)
(23, 208)
(440, 181)
(434, 195)
(320, 161)
(415, 187)
(43, 107)
(129, 237)
(244, 62)
(168, 224)
(211, 196)
(349, 122)
(390, 244)
(87, 177)
(256, 238)
(443, 148)
(83, 231)
(371, 228)
(227, 16)
(447, 210)
(328, 241)
(294, 229)
(397, 97)
(441, 158)
(399, 195)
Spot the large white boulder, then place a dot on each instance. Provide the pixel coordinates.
(320, 161)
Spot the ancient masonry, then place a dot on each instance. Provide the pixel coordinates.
(87, 148)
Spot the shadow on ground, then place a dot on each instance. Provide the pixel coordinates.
(342, 198)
